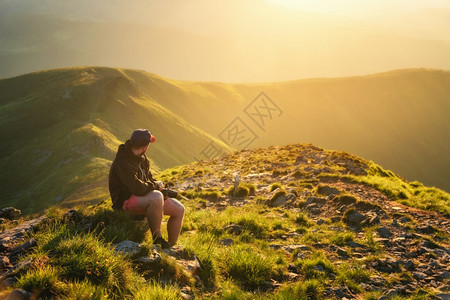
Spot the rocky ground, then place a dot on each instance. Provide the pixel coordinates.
(405, 250)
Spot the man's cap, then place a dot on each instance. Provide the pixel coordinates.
(141, 138)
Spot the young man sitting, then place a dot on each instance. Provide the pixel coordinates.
(134, 190)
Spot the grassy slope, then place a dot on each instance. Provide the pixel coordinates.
(68, 251)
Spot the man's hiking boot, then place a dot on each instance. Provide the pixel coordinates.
(164, 244)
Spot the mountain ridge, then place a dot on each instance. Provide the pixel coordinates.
(402, 122)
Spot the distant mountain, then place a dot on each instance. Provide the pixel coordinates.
(60, 128)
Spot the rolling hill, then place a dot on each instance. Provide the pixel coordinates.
(60, 128)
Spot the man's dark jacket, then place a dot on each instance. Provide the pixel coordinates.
(129, 175)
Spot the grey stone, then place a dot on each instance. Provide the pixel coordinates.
(374, 220)
(292, 276)
(427, 229)
(354, 244)
(335, 219)
(384, 232)
(341, 252)
(129, 248)
(10, 213)
(4, 262)
(419, 275)
(19, 231)
(377, 280)
(291, 197)
(154, 258)
(279, 201)
(321, 221)
(327, 190)
(316, 200)
(226, 242)
(355, 217)
(234, 229)
(19, 294)
(291, 248)
(25, 246)
(319, 267)
(410, 266)
(443, 296)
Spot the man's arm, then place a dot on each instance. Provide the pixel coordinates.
(129, 177)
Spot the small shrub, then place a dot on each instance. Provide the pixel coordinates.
(302, 219)
(275, 186)
(251, 188)
(317, 266)
(83, 257)
(341, 238)
(242, 191)
(309, 289)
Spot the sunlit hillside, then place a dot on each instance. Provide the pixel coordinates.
(61, 128)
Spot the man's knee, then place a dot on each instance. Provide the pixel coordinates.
(180, 209)
(154, 199)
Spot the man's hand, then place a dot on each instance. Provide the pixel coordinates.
(159, 184)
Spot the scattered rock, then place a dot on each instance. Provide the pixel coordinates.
(353, 217)
(387, 265)
(374, 220)
(234, 229)
(341, 252)
(4, 262)
(316, 200)
(443, 296)
(419, 275)
(13, 234)
(129, 248)
(10, 213)
(409, 265)
(384, 232)
(19, 294)
(227, 242)
(154, 258)
(327, 190)
(291, 248)
(177, 252)
(25, 246)
(346, 199)
(427, 229)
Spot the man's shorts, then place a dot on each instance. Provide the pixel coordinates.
(131, 206)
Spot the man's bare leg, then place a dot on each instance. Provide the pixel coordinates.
(152, 203)
(175, 210)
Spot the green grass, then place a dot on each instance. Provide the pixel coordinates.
(247, 267)
(42, 281)
(155, 291)
(308, 289)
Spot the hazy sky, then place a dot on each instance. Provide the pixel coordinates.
(228, 40)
